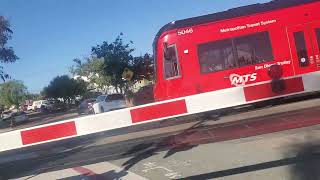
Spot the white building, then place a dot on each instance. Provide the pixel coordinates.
(94, 87)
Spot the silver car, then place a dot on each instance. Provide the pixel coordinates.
(14, 118)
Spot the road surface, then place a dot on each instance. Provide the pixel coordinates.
(273, 143)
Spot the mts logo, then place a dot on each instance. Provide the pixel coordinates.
(241, 80)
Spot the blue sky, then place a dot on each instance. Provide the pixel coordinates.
(48, 34)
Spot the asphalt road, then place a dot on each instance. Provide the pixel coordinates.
(36, 119)
(255, 146)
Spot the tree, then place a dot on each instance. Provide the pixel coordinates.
(34, 97)
(143, 67)
(12, 93)
(64, 87)
(7, 54)
(93, 69)
(117, 56)
(108, 62)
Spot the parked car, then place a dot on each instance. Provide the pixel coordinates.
(38, 105)
(105, 103)
(14, 118)
(55, 106)
(85, 106)
(6, 115)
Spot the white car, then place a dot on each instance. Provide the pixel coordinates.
(30, 108)
(105, 103)
(38, 104)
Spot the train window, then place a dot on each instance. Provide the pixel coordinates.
(216, 56)
(318, 37)
(301, 48)
(253, 49)
(171, 63)
(237, 52)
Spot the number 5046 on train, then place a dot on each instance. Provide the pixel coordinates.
(267, 50)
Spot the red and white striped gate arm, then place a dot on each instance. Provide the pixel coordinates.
(155, 112)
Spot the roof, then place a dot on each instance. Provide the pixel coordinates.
(233, 13)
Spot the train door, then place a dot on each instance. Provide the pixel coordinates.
(168, 68)
(315, 36)
(303, 52)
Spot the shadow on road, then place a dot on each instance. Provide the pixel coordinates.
(104, 176)
(309, 166)
(173, 144)
(33, 167)
(304, 166)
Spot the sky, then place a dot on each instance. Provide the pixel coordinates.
(49, 34)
